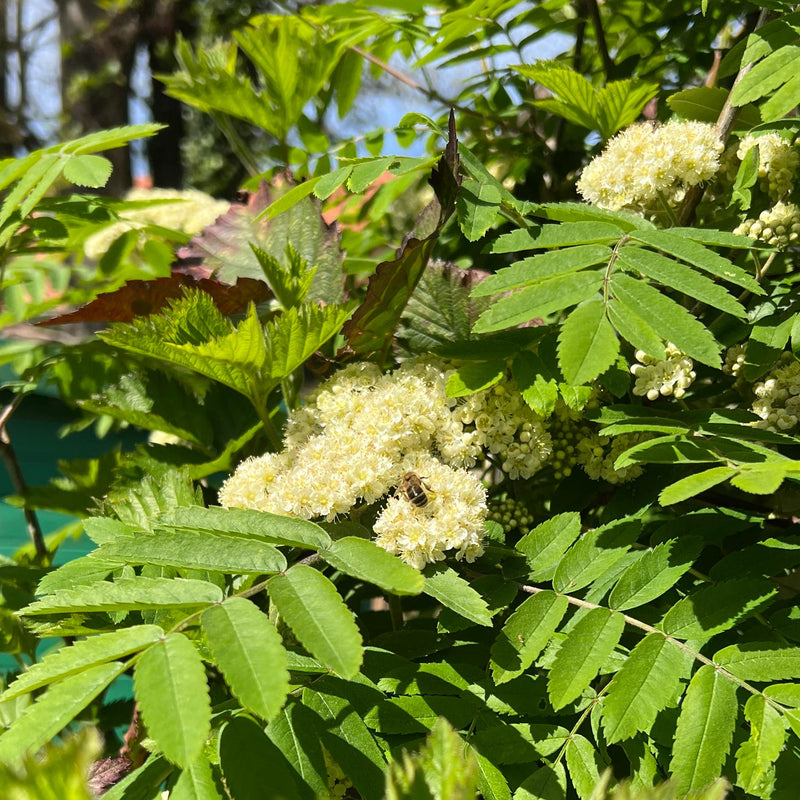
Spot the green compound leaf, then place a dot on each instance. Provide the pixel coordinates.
(54, 710)
(760, 661)
(656, 571)
(170, 686)
(585, 650)
(196, 782)
(647, 682)
(587, 344)
(525, 635)
(195, 550)
(128, 594)
(584, 765)
(693, 485)
(477, 205)
(713, 609)
(451, 590)
(85, 653)
(366, 561)
(540, 300)
(547, 542)
(249, 653)
(669, 319)
(249, 524)
(316, 613)
(704, 731)
(545, 265)
(756, 756)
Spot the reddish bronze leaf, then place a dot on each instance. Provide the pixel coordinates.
(141, 298)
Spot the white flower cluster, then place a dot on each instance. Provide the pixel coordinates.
(189, 211)
(656, 378)
(778, 226)
(361, 432)
(778, 161)
(508, 428)
(734, 360)
(646, 162)
(597, 454)
(778, 396)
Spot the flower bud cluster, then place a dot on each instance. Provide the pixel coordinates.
(513, 515)
(186, 210)
(353, 443)
(778, 396)
(597, 455)
(567, 429)
(646, 162)
(734, 360)
(778, 226)
(655, 378)
(778, 161)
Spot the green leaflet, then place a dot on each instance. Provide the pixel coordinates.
(84, 653)
(566, 234)
(418, 713)
(647, 682)
(249, 523)
(678, 276)
(196, 782)
(698, 256)
(756, 756)
(477, 205)
(195, 550)
(363, 559)
(346, 737)
(170, 686)
(582, 654)
(704, 731)
(525, 635)
(669, 319)
(656, 571)
(584, 765)
(540, 267)
(540, 300)
(318, 616)
(81, 571)
(631, 327)
(474, 377)
(547, 542)
(760, 661)
(546, 783)
(127, 594)
(86, 170)
(492, 784)
(253, 767)
(693, 485)
(521, 742)
(293, 732)
(713, 609)
(451, 590)
(587, 344)
(54, 710)
(594, 553)
(249, 653)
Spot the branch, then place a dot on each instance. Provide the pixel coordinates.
(597, 23)
(11, 461)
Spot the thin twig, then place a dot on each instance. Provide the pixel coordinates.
(9, 456)
(602, 46)
(723, 127)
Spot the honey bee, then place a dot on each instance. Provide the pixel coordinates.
(413, 487)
